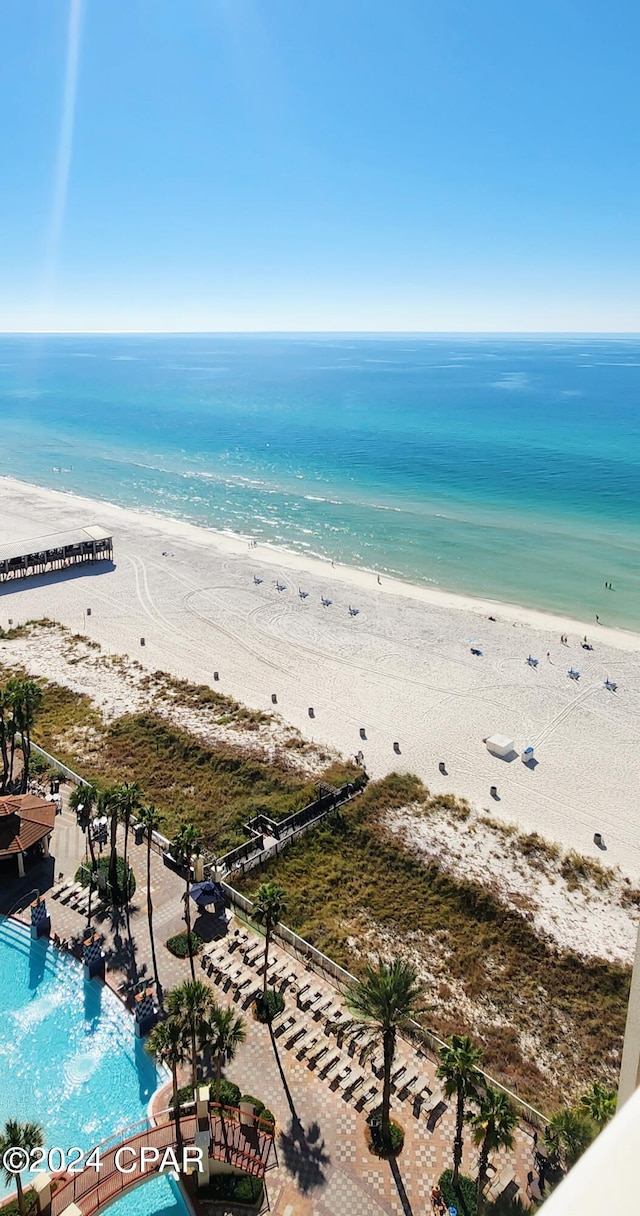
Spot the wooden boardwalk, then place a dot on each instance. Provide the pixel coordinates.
(247, 1148)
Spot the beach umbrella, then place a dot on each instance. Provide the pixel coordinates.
(207, 892)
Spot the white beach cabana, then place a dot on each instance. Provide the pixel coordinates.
(500, 745)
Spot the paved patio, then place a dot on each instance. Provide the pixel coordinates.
(324, 1167)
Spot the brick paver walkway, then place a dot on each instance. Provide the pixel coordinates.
(324, 1167)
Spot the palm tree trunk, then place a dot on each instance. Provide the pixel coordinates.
(388, 1047)
(113, 857)
(150, 916)
(92, 849)
(20, 1194)
(13, 748)
(218, 1077)
(267, 943)
(194, 1057)
(187, 917)
(483, 1161)
(457, 1144)
(124, 855)
(4, 752)
(176, 1106)
(26, 757)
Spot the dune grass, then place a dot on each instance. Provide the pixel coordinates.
(216, 788)
(549, 1021)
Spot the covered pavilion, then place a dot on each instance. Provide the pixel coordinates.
(26, 825)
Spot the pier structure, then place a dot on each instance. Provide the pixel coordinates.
(44, 554)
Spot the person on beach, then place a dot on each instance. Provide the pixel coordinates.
(597, 618)
(379, 581)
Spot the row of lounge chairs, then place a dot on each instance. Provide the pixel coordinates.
(75, 896)
(315, 1030)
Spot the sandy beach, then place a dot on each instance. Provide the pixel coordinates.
(401, 669)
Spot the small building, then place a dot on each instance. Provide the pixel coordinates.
(500, 745)
(26, 825)
(41, 555)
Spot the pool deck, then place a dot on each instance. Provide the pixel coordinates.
(324, 1166)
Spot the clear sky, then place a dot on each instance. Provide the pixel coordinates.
(320, 164)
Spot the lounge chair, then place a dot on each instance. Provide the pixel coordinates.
(501, 1183)
(286, 1024)
(321, 1007)
(70, 892)
(307, 1042)
(329, 1066)
(316, 1055)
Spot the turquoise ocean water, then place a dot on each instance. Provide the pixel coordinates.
(506, 467)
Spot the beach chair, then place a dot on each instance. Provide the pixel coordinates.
(342, 1074)
(70, 892)
(397, 1076)
(294, 1039)
(353, 1083)
(286, 1024)
(329, 1066)
(271, 962)
(305, 1002)
(369, 1099)
(321, 1007)
(316, 1054)
(501, 1183)
(307, 1042)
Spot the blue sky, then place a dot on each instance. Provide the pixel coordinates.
(320, 164)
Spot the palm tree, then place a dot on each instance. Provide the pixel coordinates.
(387, 999)
(269, 908)
(186, 845)
(568, 1133)
(27, 703)
(228, 1033)
(599, 1103)
(150, 819)
(493, 1126)
(26, 1136)
(166, 1044)
(193, 1004)
(83, 800)
(108, 805)
(458, 1068)
(129, 796)
(5, 734)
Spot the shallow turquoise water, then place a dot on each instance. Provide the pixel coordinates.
(160, 1196)
(506, 467)
(69, 1058)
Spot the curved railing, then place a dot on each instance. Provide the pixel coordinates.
(244, 1145)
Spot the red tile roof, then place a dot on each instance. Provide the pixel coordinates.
(24, 820)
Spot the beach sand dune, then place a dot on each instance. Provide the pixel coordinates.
(401, 669)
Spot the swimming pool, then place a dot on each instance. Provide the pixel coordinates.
(160, 1196)
(69, 1058)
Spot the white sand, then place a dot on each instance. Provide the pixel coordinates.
(402, 668)
(596, 922)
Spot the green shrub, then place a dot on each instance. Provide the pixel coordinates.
(83, 874)
(179, 945)
(463, 1197)
(267, 1116)
(395, 1142)
(258, 1106)
(268, 1005)
(229, 1093)
(232, 1188)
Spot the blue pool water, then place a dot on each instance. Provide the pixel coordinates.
(160, 1196)
(69, 1058)
(506, 467)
